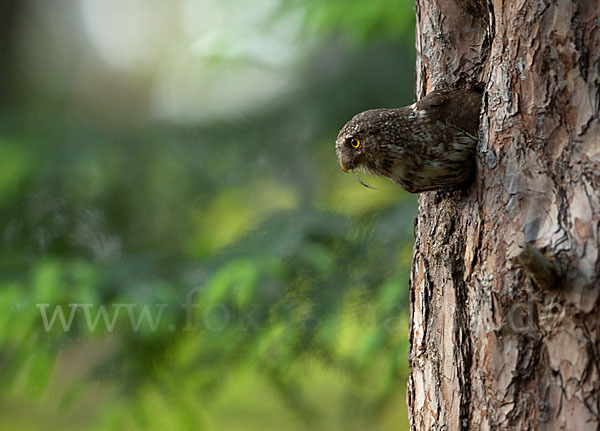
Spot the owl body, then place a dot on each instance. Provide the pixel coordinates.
(426, 146)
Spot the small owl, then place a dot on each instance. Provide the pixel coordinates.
(428, 145)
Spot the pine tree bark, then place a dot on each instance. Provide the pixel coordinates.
(493, 345)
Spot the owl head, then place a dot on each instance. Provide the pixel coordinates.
(358, 145)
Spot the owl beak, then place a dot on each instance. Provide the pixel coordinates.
(344, 167)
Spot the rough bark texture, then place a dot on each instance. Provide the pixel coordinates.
(490, 348)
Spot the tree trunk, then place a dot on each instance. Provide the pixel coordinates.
(498, 341)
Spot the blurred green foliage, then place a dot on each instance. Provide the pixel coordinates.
(364, 23)
(252, 284)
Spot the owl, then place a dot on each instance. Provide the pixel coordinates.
(429, 145)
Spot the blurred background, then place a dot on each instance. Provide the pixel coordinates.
(179, 247)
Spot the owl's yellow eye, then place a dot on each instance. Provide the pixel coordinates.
(355, 142)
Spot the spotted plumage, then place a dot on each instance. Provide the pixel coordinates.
(428, 145)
